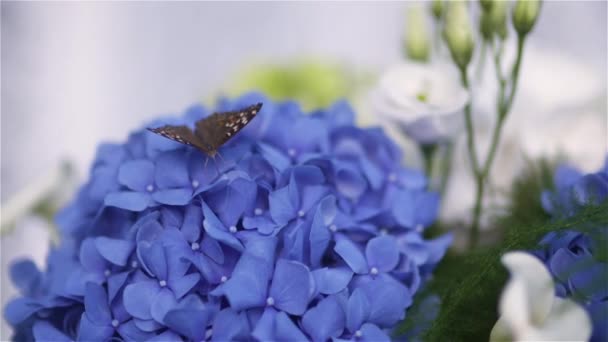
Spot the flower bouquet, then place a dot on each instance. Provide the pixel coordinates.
(280, 214)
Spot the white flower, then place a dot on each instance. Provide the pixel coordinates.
(425, 100)
(529, 309)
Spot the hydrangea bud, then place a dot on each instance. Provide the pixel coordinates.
(437, 9)
(458, 33)
(525, 13)
(416, 34)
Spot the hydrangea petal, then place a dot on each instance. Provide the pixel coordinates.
(263, 247)
(357, 310)
(265, 327)
(371, 333)
(182, 285)
(193, 220)
(171, 170)
(277, 159)
(25, 276)
(96, 304)
(388, 300)
(161, 304)
(332, 280)
(130, 332)
(591, 280)
(404, 208)
(325, 320)
(245, 291)
(351, 254)
(90, 257)
(168, 335)
(89, 331)
(230, 326)
(128, 200)
(115, 251)
(173, 196)
(427, 206)
(216, 229)
(350, 182)
(20, 309)
(44, 331)
(147, 325)
(138, 298)
(189, 323)
(154, 259)
(382, 253)
(212, 249)
(282, 209)
(136, 174)
(291, 286)
(286, 330)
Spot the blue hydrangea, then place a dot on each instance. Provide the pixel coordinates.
(306, 228)
(570, 255)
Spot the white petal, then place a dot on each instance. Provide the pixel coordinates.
(501, 332)
(533, 282)
(567, 321)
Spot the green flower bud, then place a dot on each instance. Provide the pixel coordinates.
(458, 33)
(486, 5)
(525, 13)
(416, 34)
(437, 8)
(498, 15)
(485, 26)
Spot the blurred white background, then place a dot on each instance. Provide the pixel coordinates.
(75, 74)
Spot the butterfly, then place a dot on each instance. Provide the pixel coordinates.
(211, 132)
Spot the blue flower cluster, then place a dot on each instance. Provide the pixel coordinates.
(571, 256)
(305, 228)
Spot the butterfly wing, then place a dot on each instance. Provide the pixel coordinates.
(216, 129)
(181, 134)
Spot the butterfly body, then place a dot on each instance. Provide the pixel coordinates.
(211, 132)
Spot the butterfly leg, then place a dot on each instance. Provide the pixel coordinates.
(217, 170)
(205, 165)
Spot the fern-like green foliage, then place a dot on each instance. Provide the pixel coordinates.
(470, 284)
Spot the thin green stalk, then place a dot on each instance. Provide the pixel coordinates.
(428, 153)
(468, 117)
(503, 107)
(445, 166)
(515, 71)
(482, 59)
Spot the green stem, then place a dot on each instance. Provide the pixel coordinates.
(428, 153)
(468, 117)
(446, 166)
(515, 71)
(503, 108)
(482, 59)
(502, 83)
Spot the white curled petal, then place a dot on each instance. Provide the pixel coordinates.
(567, 321)
(501, 332)
(514, 306)
(536, 285)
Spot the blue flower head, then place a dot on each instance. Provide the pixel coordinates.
(306, 228)
(571, 256)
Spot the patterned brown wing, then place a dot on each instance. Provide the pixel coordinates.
(216, 129)
(181, 134)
